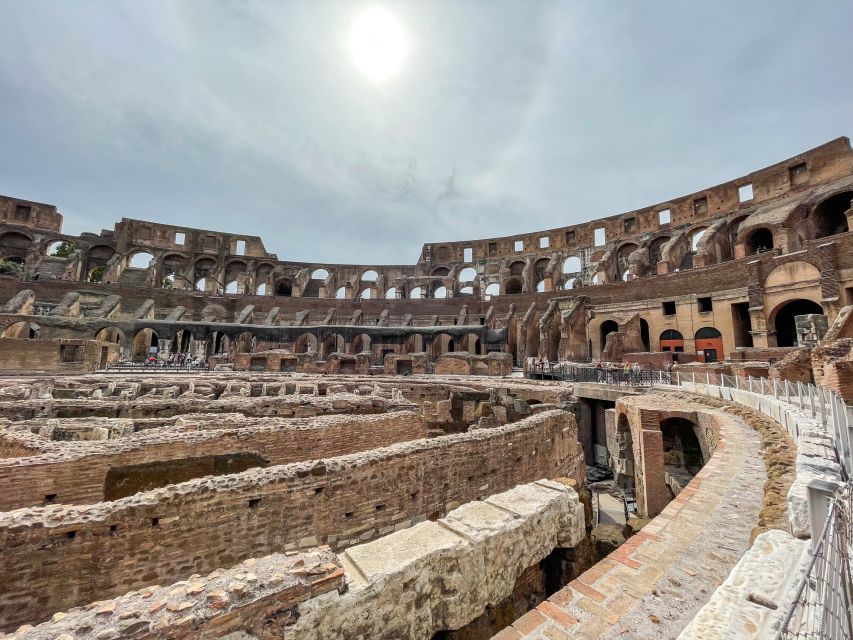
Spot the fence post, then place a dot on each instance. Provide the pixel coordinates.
(737, 382)
(811, 400)
(800, 394)
(750, 383)
(818, 494)
(707, 379)
(787, 392)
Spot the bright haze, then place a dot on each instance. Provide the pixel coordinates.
(357, 131)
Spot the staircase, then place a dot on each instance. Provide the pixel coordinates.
(132, 277)
(51, 268)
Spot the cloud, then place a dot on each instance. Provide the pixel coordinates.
(250, 117)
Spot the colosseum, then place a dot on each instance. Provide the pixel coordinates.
(635, 427)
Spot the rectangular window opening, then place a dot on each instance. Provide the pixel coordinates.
(664, 216)
(544, 242)
(22, 212)
(629, 224)
(798, 173)
(180, 238)
(468, 254)
(241, 248)
(493, 248)
(744, 193)
(669, 308)
(705, 305)
(519, 245)
(700, 206)
(600, 237)
(570, 236)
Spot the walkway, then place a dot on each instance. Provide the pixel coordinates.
(655, 583)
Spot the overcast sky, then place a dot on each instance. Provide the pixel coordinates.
(505, 117)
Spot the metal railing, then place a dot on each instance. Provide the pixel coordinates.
(571, 372)
(814, 401)
(823, 604)
(144, 367)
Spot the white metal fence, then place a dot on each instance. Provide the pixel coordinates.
(814, 401)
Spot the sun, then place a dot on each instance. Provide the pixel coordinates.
(378, 44)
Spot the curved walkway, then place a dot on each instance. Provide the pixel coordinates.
(656, 582)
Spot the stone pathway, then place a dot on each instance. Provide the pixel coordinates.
(656, 582)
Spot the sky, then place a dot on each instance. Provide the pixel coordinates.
(504, 117)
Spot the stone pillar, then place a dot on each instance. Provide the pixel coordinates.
(654, 489)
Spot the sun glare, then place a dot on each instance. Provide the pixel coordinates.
(378, 44)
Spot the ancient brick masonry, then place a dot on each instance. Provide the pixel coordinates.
(174, 531)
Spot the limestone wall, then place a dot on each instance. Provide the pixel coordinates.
(72, 554)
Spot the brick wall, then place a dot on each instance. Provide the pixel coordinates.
(75, 474)
(72, 555)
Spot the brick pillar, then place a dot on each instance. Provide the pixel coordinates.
(655, 493)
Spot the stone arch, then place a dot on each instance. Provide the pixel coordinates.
(306, 342)
(494, 289)
(245, 343)
(138, 259)
(360, 343)
(284, 287)
(440, 271)
(392, 293)
(414, 344)
(332, 343)
(110, 334)
(671, 340)
(440, 292)
(473, 344)
(782, 319)
(572, 265)
(60, 248)
(759, 240)
(144, 340)
(368, 292)
(369, 276)
(442, 343)
(341, 293)
(829, 216)
(513, 285)
(622, 254)
(416, 293)
(606, 328)
(468, 274)
(22, 330)
(516, 268)
(97, 258)
(795, 272)
(709, 341)
(14, 244)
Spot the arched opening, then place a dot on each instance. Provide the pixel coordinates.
(369, 276)
(656, 251)
(472, 344)
(829, 216)
(731, 237)
(145, 344)
(360, 343)
(416, 293)
(307, 342)
(569, 284)
(231, 287)
(110, 334)
(414, 344)
(512, 286)
(671, 340)
(366, 293)
(607, 327)
(319, 274)
(140, 260)
(284, 287)
(318, 279)
(96, 261)
(596, 280)
(493, 289)
(440, 271)
(709, 344)
(180, 344)
(22, 330)
(442, 343)
(245, 343)
(467, 275)
(784, 322)
(60, 249)
(440, 292)
(682, 453)
(572, 265)
(341, 293)
(14, 245)
(759, 241)
(262, 289)
(466, 291)
(540, 286)
(332, 343)
(392, 294)
(516, 268)
(622, 259)
(217, 343)
(644, 334)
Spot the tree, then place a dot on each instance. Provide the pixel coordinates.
(9, 268)
(97, 274)
(63, 250)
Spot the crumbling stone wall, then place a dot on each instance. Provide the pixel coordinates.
(167, 533)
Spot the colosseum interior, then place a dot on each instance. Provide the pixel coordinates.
(634, 427)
